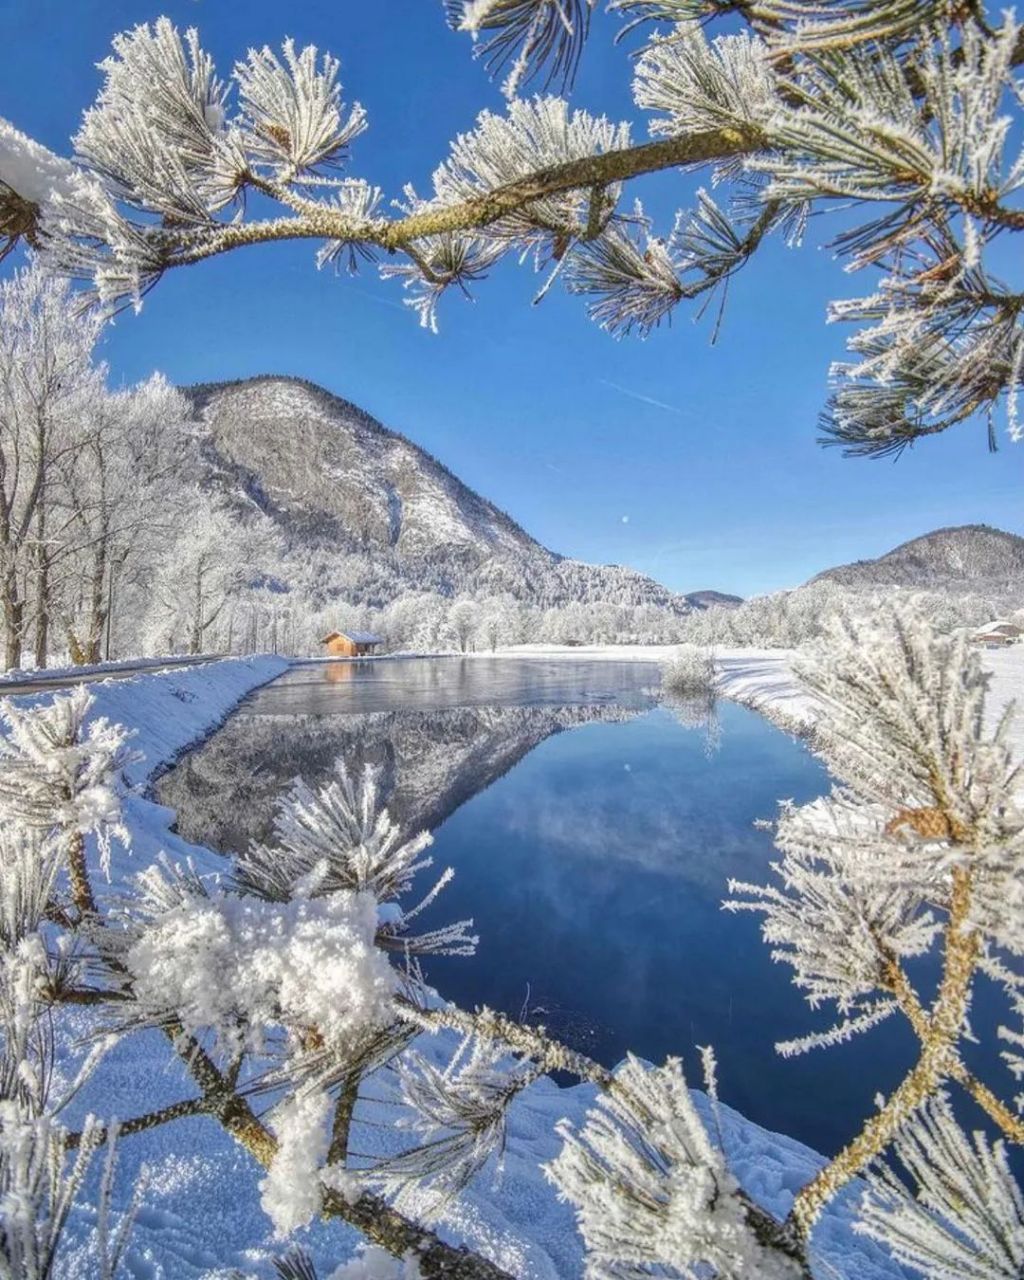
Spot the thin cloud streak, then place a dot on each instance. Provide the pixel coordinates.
(636, 395)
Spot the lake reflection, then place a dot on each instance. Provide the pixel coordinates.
(593, 862)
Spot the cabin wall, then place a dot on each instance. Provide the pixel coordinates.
(342, 647)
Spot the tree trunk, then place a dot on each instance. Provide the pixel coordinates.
(42, 635)
(14, 618)
(76, 650)
(196, 641)
(97, 604)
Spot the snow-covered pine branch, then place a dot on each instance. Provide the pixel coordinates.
(30, 174)
(458, 1113)
(59, 772)
(530, 37)
(918, 848)
(235, 966)
(902, 114)
(342, 837)
(57, 783)
(964, 1219)
(653, 1195)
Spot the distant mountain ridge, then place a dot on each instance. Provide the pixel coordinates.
(333, 481)
(957, 558)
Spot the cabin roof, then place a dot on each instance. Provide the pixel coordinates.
(357, 637)
(1000, 627)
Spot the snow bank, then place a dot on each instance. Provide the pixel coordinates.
(173, 710)
(763, 679)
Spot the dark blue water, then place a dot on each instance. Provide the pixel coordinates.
(595, 872)
(593, 834)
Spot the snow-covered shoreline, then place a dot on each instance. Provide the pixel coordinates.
(764, 680)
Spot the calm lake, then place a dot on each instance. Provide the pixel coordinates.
(593, 833)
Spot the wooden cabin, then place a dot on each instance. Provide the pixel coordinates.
(998, 635)
(350, 644)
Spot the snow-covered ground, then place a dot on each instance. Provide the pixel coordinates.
(201, 1214)
(763, 679)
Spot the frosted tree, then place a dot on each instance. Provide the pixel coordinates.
(462, 623)
(49, 394)
(92, 482)
(122, 499)
(690, 671)
(902, 116)
(213, 561)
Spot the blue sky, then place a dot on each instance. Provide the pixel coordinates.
(695, 463)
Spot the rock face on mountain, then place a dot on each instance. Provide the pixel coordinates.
(970, 557)
(330, 478)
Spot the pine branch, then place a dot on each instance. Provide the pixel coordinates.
(935, 1064)
(549, 1055)
(370, 1214)
(480, 211)
(895, 980)
(139, 1124)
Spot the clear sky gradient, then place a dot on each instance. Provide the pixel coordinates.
(692, 462)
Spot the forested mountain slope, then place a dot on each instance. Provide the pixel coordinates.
(972, 557)
(369, 514)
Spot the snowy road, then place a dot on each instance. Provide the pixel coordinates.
(16, 682)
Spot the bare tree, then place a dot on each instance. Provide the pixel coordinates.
(123, 499)
(49, 393)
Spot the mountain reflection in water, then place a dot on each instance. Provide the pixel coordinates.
(593, 862)
(440, 730)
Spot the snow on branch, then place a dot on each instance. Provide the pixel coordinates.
(30, 174)
(652, 1193)
(237, 966)
(527, 36)
(58, 770)
(965, 1219)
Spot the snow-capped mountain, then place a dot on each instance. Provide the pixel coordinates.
(970, 557)
(364, 508)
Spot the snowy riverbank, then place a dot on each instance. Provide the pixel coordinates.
(201, 1214)
(763, 679)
